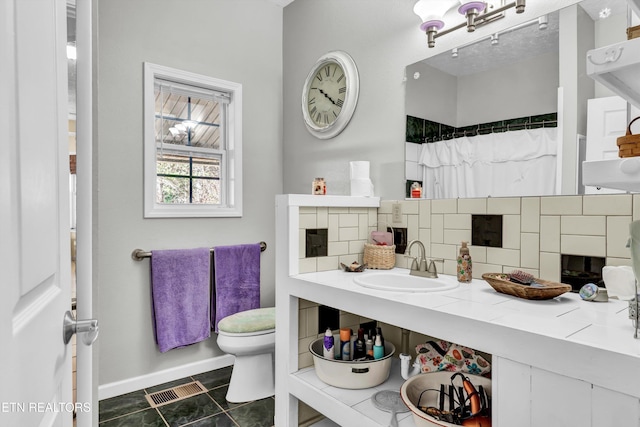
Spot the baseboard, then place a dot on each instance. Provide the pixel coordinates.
(117, 388)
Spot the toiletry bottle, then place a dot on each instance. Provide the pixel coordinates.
(369, 347)
(359, 346)
(379, 334)
(416, 190)
(378, 348)
(464, 264)
(345, 343)
(327, 347)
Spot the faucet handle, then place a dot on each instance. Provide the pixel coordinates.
(414, 263)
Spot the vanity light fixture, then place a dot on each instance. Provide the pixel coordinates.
(477, 13)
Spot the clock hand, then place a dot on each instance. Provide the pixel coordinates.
(327, 96)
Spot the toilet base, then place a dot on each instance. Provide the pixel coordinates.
(251, 378)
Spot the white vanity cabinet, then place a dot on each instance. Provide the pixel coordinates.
(526, 396)
(556, 363)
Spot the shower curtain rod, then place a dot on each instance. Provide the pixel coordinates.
(139, 254)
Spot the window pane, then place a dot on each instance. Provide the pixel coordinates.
(187, 120)
(206, 168)
(172, 190)
(173, 165)
(206, 191)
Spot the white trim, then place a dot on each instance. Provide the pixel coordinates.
(86, 356)
(231, 179)
(117, 388)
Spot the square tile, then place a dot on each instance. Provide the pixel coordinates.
(583, 245)
(503, 206)
(530, 215)
(147, 418)
(424, 213)
(550, 266)
(437, 228)
(617, 236)
(583, 225)
(123, 404)
(259, 413)
(607, 204)
(561, 205)
(550, 233)
(472, 206)
(189, 410)
(500, 256)
(457, 221)
(511, 231)
(444, 206)
(530, 251)
(216, 378)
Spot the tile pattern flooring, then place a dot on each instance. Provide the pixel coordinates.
(207, 409)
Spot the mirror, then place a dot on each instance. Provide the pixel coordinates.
(495, 86)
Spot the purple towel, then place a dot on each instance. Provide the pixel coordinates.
(237, 281)
(180, 283)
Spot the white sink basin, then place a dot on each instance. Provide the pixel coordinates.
(397, 282)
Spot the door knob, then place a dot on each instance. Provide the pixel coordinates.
(87, 328)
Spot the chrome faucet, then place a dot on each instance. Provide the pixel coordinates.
(419, 265)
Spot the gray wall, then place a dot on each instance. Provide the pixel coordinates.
(433, 95)
(237, 40)
(526, 88)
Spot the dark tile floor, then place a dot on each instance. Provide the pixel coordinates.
(207, 409)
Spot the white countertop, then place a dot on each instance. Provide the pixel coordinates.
(596, 337)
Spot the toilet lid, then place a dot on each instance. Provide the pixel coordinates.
(250, 321)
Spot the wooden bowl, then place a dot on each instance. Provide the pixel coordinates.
(543, 289)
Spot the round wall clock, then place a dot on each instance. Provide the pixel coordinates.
(330, 94)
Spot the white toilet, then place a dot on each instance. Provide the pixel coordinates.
(250, 336)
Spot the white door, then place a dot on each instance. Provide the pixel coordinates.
(606, 121)
(35, 364)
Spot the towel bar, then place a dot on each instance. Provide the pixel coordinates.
(139, 254)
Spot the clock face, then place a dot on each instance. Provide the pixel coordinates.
(330, 94)
(326, 93)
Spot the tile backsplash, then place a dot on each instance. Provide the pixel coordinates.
(536, 232)
(348, 231)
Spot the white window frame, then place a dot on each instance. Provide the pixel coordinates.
(231, 179)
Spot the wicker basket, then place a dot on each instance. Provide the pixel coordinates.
(633, 32)
(629, 144)
(380, 257)
(501, 283)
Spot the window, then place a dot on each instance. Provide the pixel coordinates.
(193, 145)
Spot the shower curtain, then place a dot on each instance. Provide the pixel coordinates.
(514, 163)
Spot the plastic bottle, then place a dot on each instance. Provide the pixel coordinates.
(379, 334)
(369, 347)
(328, 345)
(359, 346)
(463, 266)
(345, 343)
(378, 348)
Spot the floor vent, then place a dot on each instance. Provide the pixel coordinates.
(175, 394)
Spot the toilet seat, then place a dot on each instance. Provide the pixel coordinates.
(246, 334)
(258, 321)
